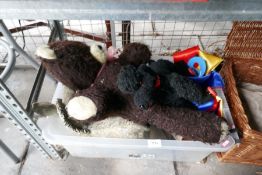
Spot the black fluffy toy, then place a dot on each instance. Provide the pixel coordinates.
(161, 82)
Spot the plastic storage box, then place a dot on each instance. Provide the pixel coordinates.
(56, 133)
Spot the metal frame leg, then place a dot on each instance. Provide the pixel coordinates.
(58, 30)
(126, 29)
(9, 152)
(35, 92)
(14, 111)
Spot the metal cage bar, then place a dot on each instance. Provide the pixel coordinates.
(9, 152)
(8, 36)
(13, 110)
(11, 61)
(163, 37)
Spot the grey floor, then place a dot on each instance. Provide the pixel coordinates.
(35, 164)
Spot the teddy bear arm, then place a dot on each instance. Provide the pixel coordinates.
(186, 88)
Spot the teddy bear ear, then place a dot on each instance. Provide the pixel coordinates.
(127, 79)
(45, 52)
(98, 52)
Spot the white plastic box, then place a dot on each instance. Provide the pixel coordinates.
(56, 133)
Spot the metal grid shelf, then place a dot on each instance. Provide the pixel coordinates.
(163, 37)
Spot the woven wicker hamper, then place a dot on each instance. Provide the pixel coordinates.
(243, 63)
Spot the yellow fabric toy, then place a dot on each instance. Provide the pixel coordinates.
(211, 61)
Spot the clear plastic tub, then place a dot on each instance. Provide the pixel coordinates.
(56, 133)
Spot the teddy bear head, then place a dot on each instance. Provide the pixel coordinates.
(73, 63)
(140, 82)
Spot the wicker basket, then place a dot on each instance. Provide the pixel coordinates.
(243, 62)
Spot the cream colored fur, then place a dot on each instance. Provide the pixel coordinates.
(81, 108)
(45, 52)
(98, 53)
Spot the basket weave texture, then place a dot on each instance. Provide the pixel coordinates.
(243, 62)
(244, 41)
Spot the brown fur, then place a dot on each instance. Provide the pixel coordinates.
(135, 54)
(75, 67)
(191, 124)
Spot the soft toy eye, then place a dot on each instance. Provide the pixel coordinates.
(143, 107)
(100, 47)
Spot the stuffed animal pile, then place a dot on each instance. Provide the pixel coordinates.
(133, 87)
(160, 83)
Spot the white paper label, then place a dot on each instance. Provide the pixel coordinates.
(154, 143)
(225, 143)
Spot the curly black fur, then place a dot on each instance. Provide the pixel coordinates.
(135, 54)
(139, 82)
(175, 90)
(167, 96)
(143, 98)
(165, 67)
(146, 76)
(185, 88)
(128, 80)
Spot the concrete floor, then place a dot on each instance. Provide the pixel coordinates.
(20, 84)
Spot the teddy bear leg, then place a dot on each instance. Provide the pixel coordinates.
(224, 132)
(190, 124)
(81, 108)
(76, 125)
(87, 103)
(186, 88)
